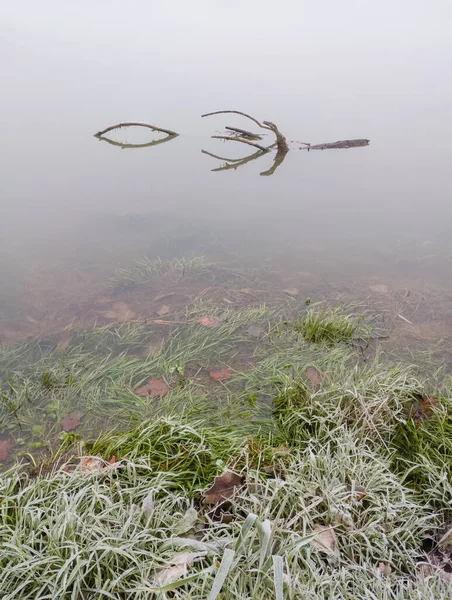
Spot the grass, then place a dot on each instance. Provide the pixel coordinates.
(146, 271)
(304, 445)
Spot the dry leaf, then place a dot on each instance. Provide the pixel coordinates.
(380, 288)
(4, 447)
(255, 331)
(220, 374)
(384, 569)
(148, 505)
(71, 420)
(428, 569)
(153, 388)
(179, 563)
(325, 539)
(112, 460)
(211, 322)
(120, 311)
(314, 376)
(164, 310)
(223, 488)
(426, 406)
(90, 464)
(291, 291)
(357, 493)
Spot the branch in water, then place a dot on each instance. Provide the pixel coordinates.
(133, 124)
(245, 133)
(242, 140)
(280, 139)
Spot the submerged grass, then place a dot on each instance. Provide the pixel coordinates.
(323, 438)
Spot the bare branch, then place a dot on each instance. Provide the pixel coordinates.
(236, 112)
(240, 139)
(133, 124)
(244, 132)
(338, 145)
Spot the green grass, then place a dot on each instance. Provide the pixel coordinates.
(302, 444)
(146, 271)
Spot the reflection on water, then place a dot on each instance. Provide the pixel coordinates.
(74, 210)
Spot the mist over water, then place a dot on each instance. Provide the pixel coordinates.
(322, 72)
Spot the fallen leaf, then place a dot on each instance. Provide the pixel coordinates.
(164, 310)
(211, 322)
(153, 388)
(120, 311)
(223, 488)
(71, 420)
(426, 407)
(179, 563)
(4, 447)
(384, 569)
(380, 288)
(90, 464)
(314, 376)
(325, 539)
(357, 493)
(255, 331)
(112, 460)
(291, 291)
(220, 374)
(186, 522)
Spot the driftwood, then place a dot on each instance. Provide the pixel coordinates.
(336, 145)
(280, 139)
(134, 124)
(240, 139)
(244, 133)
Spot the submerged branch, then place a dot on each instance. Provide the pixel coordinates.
(123, 146)
(242, 140)
(135, 124)
(337, 145)
(244, 132)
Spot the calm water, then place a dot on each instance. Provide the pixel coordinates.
(74, 208)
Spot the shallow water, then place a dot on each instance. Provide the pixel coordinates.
(75, 208)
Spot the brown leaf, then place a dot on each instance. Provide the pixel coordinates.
(255, 331)
(4, 447)
(211, 322)
(380, 288)
(112, 460)
(357, 493)
(325, 539)
(90, 464)
(120, 311)
(153, 388)
(223, 488)
(314, 376)
(384, 569)
(220, 374)
(291, 291)
(71, 420)
(426, 407)
(164, 310)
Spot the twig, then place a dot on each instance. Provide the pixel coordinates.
(167, 138)
(236, 112)
(242, 140)
(244, 132)
(134, 124)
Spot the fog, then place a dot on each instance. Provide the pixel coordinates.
(322, 71)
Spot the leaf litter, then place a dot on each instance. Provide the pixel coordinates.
(209, 321)
(154, 388)
(71, 421)
(220, 374)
